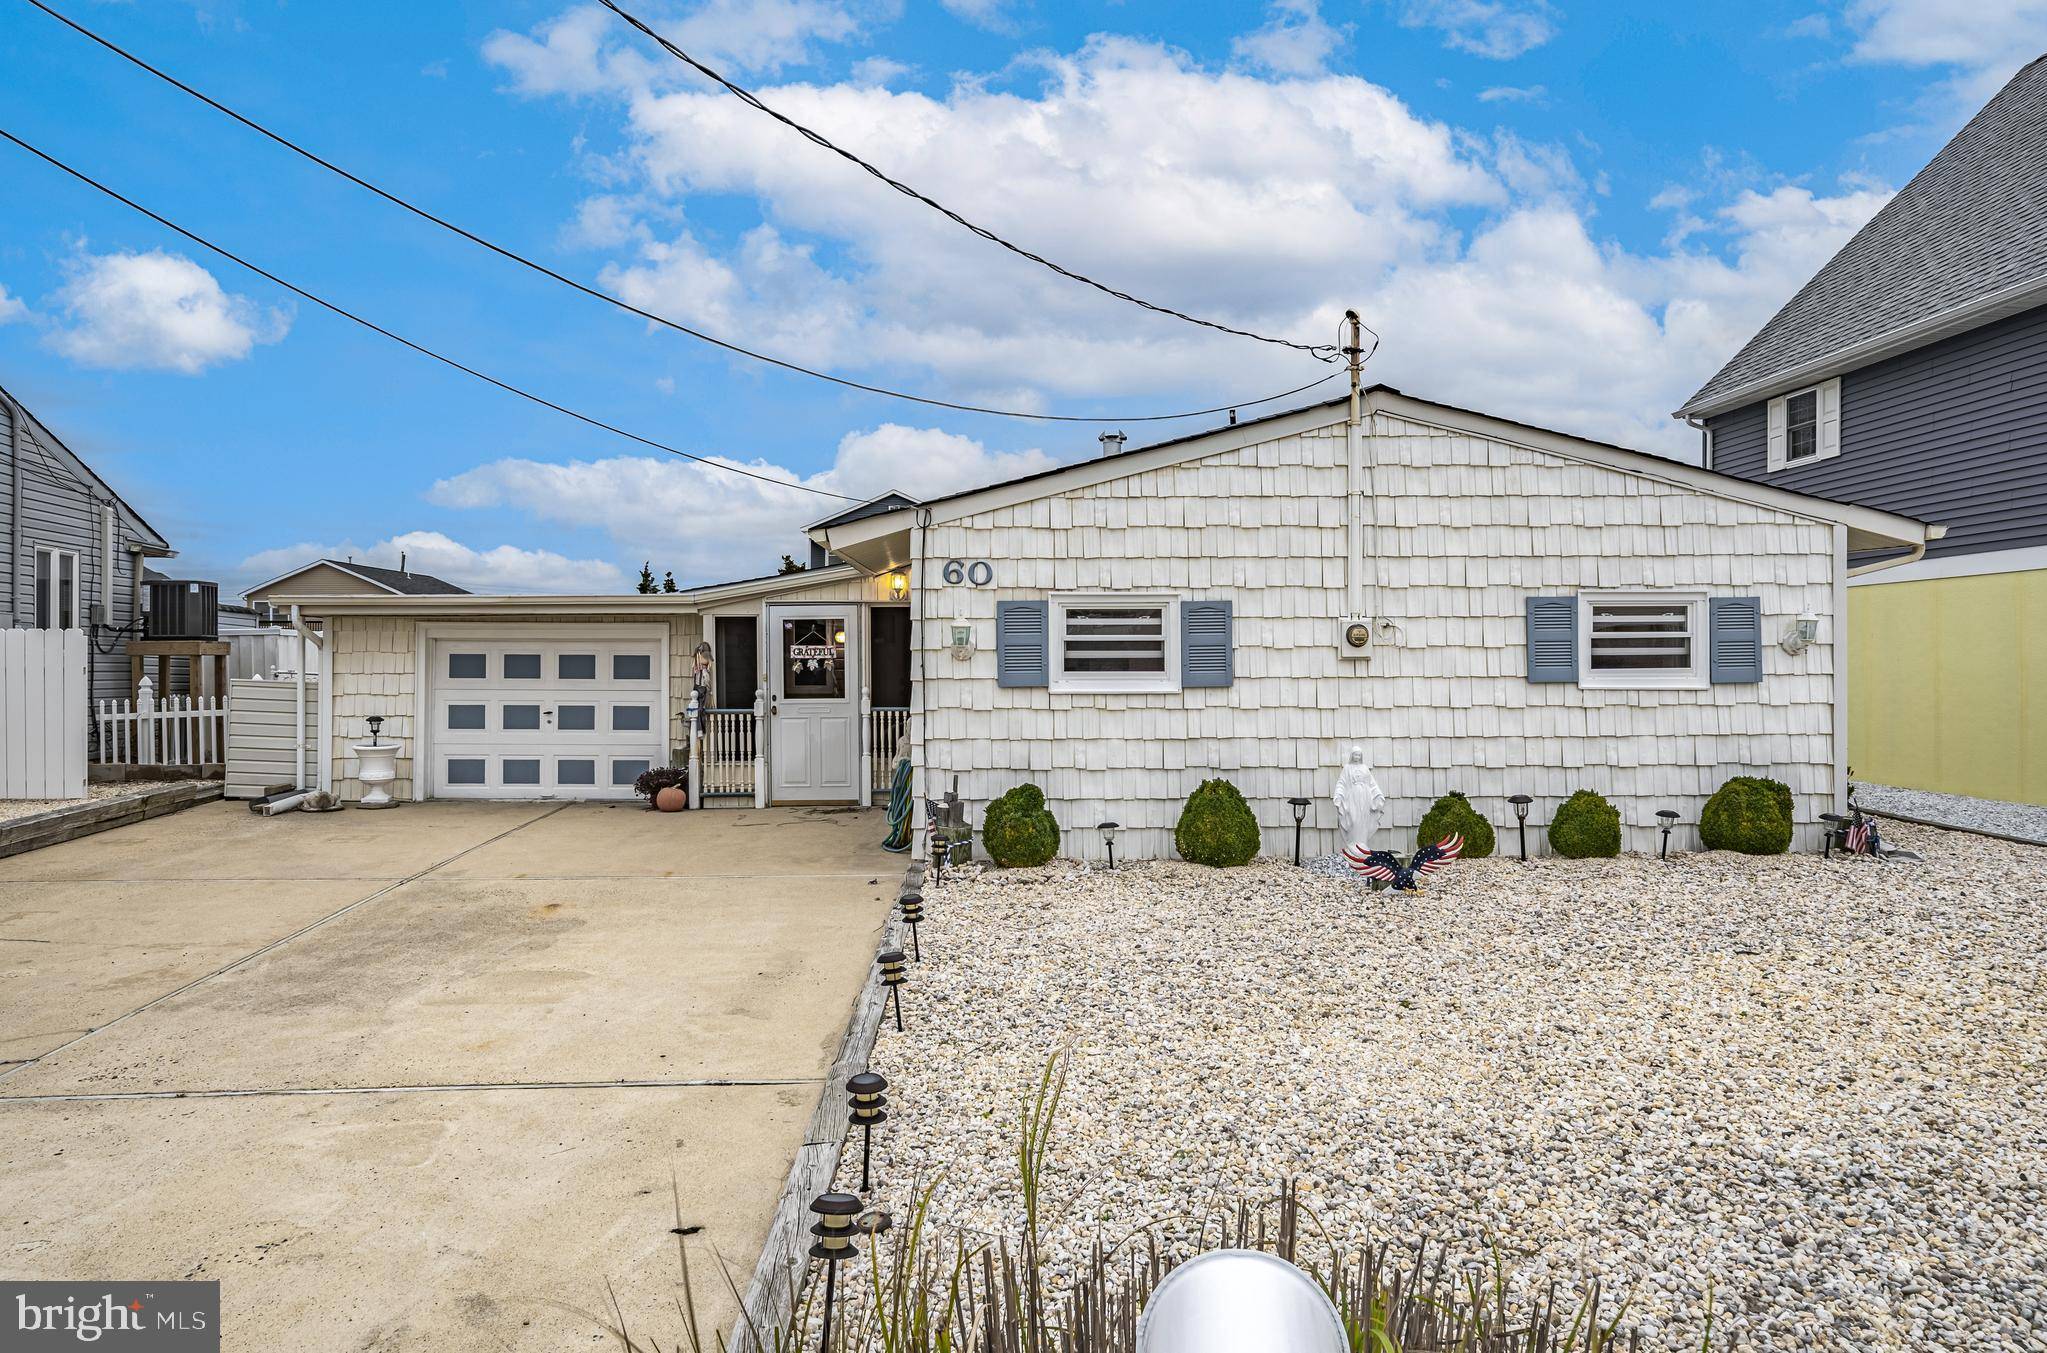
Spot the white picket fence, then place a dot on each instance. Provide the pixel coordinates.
(178, 730)
(42, 714)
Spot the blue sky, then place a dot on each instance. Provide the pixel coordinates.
(1566, 213)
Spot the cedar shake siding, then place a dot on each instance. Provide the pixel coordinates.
(1954, 432)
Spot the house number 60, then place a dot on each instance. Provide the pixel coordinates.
(979, 572)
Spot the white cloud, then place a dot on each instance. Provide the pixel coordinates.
(711, 525)
(1537, 94)
(156, 311)
(503, 568)
(1267, 202)
(990, 14)
(587, 50)
(1496, 29)
(1296, 39)
(1814, 25)
(10, 308)
(1985, 44)
(879, 70)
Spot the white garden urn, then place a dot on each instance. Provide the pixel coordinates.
(376, 767)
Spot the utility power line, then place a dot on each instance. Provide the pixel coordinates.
(627, 306)
(419, 348)
(1321, 351)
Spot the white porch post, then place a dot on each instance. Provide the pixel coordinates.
(866, 747)
(145, 722)
(694, 715)
(760, 748)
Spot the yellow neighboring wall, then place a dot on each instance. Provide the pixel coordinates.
(1947, 685)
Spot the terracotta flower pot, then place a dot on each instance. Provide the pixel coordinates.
(671, 799)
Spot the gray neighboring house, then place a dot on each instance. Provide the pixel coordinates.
(1910, 375)
(74, 548)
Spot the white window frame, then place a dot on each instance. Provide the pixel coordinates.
(1695, 677)
(1826, 408)
(55, 553)
(1104, 683)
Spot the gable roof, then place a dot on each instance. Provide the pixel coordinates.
(873, 507)
(152, 540)
(1962, 244)
(398, 583)
(883, 536)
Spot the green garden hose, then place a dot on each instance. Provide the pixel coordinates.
(898, 839)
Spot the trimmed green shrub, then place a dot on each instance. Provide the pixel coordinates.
(1019, 830)
(1454, 813)
(1587, 827)
(1216, 827)
(1748, 814)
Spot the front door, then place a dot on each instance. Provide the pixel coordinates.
(815, 740)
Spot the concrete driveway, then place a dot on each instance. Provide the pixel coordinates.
(420, 1079)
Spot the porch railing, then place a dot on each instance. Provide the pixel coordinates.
(888, 736)
(729, 754)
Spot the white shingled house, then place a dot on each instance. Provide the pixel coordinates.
(1482, 605)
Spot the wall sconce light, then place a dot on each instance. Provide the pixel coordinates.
(1800, 633)
(1300, 807)
(839, 638)
(1521, 802)
(1108, 831)
(1669, 816)
(898, 585)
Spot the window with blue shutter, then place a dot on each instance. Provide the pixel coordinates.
(1207, 656)
(1735, 638)
(1022, 644)
(1553, 638)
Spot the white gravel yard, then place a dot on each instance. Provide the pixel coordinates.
(2028, 820)
(1814, 1088)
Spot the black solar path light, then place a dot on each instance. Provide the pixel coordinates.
(913, 915)
(894, 972)
(1108, 831)
(1521, 802)
(1300, 807)
(834, 1232)
(1837, 826)
(870, 1106)
(1669, 816)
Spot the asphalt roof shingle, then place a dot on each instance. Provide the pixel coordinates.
(411, 584)
(1969, 225)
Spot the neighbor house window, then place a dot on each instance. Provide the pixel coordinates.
(1115, 642)
(1641, 640)
(56, 589)
(1804, 426)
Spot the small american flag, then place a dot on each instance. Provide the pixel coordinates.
(1862, 838)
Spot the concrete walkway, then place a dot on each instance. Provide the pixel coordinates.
(420, 1079)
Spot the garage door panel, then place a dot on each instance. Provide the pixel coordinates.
(531, 718)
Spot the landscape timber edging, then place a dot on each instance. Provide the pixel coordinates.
(84, 819)
(778, 1277)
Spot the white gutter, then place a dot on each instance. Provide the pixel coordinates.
(1354, 497)
(1911, 556)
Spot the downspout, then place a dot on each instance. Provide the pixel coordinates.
(1911, 556)
(1698, 425)
(298, 707)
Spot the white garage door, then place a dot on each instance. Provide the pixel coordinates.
(560, 718)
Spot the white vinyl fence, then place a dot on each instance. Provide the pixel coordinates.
(267, 654)
(179, 730)
(262, 750)
(42, 714)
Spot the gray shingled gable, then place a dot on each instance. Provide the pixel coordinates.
(408, 583)
(1969, 226)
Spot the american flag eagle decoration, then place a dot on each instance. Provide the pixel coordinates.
(1383, 866)
(1862, 837)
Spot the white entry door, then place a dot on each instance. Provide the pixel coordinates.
(815, 738)
(544, 718)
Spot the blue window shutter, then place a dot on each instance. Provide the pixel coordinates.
(1207, 647)
(1023, 648)
(1735, 638)
(1552, 638)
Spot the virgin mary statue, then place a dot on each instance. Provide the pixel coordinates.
(1359, 801)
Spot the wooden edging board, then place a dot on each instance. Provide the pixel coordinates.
(778, 1276)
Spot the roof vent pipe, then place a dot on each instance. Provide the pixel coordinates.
(1112, 442)
(401, 561)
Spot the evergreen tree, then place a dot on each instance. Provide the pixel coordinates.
(668, 581)
(789, 565)
(646, 577)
